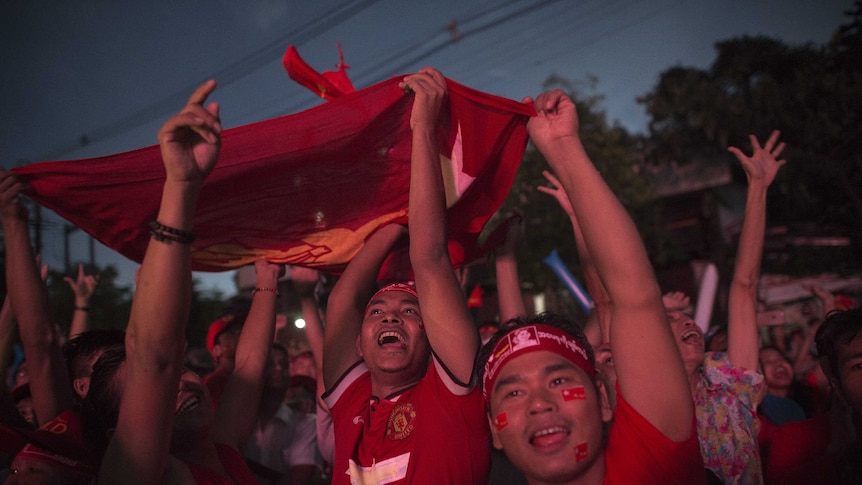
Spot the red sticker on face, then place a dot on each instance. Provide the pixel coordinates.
(574, 393)
(501, 421)
(581, 452)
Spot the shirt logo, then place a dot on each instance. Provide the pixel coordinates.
(358, 420)
(400, 423)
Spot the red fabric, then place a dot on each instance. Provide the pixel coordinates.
(329, 85)
(233, 464)
(637, 452)
(783, 448)
(305, 189)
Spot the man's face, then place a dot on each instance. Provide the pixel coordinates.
(194, 407)
(303, 365)
(36, 472)
(393, 337)
(688, 336)
(850, 373)
(547, 415)
(225, 344)
(193, 410)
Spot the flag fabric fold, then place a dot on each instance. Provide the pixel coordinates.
(304, 189)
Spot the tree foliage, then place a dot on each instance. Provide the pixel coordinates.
(757, 84)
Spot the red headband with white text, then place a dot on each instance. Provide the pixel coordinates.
(532, 338)
(393, 287)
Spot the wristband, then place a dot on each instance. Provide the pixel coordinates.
(269, 290)
(163, 233)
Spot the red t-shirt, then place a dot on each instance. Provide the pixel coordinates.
(233, 464)
(639, 453)
(423, 435)
(785, 448)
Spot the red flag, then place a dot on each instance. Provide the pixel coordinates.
(329, 85)
(304, 189)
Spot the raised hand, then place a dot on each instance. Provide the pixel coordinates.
(429, 88)
(762, 165)
(10, 204)
(557, 119)
(84, 285)
(557, 191)
(267, 274)
(676, 301)
(190, 141)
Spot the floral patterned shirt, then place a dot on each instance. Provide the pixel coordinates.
(727, 426)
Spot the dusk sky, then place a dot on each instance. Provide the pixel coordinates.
(110, 73)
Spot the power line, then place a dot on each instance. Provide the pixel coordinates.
(227, 75)
(383, 69)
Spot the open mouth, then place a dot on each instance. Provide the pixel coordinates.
(190, 403)
(691, 336)
(391, 338)
(549, 437)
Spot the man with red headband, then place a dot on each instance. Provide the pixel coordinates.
(402, 414)
(546, 408)
(54, 454)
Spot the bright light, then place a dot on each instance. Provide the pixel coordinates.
(299, 323)
(539, 302)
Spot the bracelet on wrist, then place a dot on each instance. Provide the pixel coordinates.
(274, 291)
(166, 234)
(82, 308)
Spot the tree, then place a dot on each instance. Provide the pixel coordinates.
(757, 84)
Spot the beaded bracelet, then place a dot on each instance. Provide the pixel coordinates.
(270, 290)
(162, 233)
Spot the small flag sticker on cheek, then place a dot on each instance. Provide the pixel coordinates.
(574, 393)
(581, 452)
(501, 421)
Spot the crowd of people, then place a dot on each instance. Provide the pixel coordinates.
(396, 384)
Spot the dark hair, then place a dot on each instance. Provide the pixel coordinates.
(839, 328)
(546, 318)
(775, 348)
(80, 349)
(101, 407)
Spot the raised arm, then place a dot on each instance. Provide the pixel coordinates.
(83, 288)
(8, 326)
(600, 316)
(233, 423)
(304, 281)
(509, 295)
(155, 338)
(760, 168)
(346, 305)
(28, 296)
(649, 369)
(451, 331)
